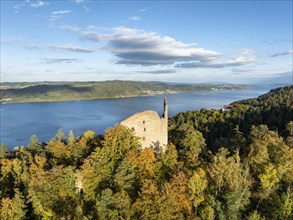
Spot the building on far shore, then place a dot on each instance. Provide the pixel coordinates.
(227, 108)
(149, 127)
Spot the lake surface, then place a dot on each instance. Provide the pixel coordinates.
(20, 121)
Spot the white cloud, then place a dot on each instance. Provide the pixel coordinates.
(238, 61)
(247, 56)
(67, 47)
(71, 48)
(37, 4)
(58, 14)
(30, 3)
(61, 12)
(134, 18)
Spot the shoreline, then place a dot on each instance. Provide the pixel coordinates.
(150, 93)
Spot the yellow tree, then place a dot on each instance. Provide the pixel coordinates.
(143, 162)
(175, 202)
(14, 208)
(196, 185)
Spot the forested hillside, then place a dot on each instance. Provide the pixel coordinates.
(65, 91)
(274, 109)
(235, 164)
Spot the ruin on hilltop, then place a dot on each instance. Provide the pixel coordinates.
(149, 127)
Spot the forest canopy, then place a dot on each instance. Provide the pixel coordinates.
(235, 164)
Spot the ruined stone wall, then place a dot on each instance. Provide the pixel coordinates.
(149, 127)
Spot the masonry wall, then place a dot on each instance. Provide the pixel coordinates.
(149, 127)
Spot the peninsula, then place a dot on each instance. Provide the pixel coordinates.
(69, 91)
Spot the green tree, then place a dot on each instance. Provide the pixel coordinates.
(231, 181)
(3, 151)
(34, 147)
(125, 176)
(113, 206)
(146, 206)
(191, 145)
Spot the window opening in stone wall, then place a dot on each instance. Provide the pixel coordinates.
(143, 122)
(144, 129)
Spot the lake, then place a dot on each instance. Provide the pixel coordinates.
(20, 121)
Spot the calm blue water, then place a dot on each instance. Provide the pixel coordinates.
(20, 121)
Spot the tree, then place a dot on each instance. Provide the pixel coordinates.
(191, 144)
(174, 202)
(97, 169)
(120, 139)
(53, 192)
(147, 206)
(268, 180)
(34, 147)
(231, 184)
(14, 208)
(167, 164)
(255, 216)
(143, 162)
(125, 176)
(280, 205)
(289, 139)
(207, 213)
(3, 151)
(238, 140)
(113, 206)
(60, 135)
(71, 138)
(196, 185)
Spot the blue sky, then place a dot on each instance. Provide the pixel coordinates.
(173, 41)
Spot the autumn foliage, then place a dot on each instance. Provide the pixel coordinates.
(240, 169)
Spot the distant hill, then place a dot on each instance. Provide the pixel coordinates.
(66, 91)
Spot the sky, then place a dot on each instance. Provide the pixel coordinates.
(240, 42)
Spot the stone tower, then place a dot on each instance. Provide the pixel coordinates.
(149, 127)
(165, 118)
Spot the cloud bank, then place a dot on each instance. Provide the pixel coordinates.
(139, 47)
